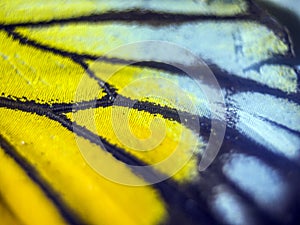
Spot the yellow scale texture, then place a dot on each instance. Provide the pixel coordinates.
(31, 74)
(43, 77)
(38, 10)
(40, 76)
(95, 199)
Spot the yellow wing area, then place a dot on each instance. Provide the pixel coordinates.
(166, 145)
(242, 45)
(54, 153)
(276, 76)
(7, 216)
(250, 36)
(31, 74)
(44, 45)
(177, 91)
(44, 77)
(24, 197)
(19, 11)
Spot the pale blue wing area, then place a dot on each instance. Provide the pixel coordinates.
(270, 121)
(262, 182)
(231, 208)
(233, 46)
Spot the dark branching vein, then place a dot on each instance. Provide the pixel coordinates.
(141, 16)
(10, 211)
(261, 213)
(232, 83)
(168, 189)
(253, 13)
(75, 57)
(125, 157)
(283, 60)
(108, 89)
(26, 41)
(172, 114)
(264, 18)
(214, 175)
(64, 210)
(46, 111)
(277, 124)
(214, 178)
(235, 84)
(244, 144)
(229, 81)
(166, 112)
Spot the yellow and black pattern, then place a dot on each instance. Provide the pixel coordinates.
(47, 48)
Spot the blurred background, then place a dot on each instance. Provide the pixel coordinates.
(287, 12)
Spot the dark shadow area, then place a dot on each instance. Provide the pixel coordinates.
(288, 19)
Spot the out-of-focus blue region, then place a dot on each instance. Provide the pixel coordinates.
(287, 12)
